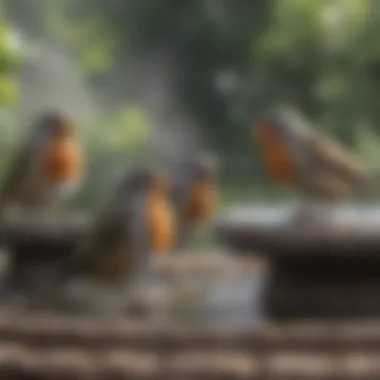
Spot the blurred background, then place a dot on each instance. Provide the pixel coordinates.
(156, 80)
(151, 80)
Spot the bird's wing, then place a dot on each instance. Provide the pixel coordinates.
(336, 159)
(116, 247)
(101, 239)
(178, 189)
(20, 166)
(102, 234)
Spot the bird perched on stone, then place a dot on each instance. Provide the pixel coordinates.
(47, 166)
(319, 169)
(113, 258)
(194, 192)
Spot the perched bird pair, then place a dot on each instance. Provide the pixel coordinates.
(319, 169)
(145, 215)
(113, 259)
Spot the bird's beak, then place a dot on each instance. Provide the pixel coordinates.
(161, 182)
(65, 127)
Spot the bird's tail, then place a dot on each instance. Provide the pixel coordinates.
(3, 208)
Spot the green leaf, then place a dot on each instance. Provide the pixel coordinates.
(9, 91)
(134, 126)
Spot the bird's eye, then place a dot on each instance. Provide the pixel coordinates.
(63, 126)
(160, 181)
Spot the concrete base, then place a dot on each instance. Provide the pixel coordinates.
(323, 287)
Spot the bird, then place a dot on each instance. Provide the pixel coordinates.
(113, 258)
(47, 167)
(194, 193)
(317, 167)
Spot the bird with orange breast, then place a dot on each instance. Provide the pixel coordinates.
(47, 167)
(194, 193)
(319, 169)
(113, 259)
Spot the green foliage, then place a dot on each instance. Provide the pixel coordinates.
(8, 90)
(9, 61)
(131, 128)
(94, 57)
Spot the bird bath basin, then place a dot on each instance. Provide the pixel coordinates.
(330, 271)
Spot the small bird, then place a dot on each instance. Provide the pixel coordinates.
(113, 259)
(321, 170)
(46, 168)
(194, 193)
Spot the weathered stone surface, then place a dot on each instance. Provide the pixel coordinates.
(57, 347)
(328, 270)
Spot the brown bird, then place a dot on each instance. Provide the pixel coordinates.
(113, 258)
(47, 166)
(298, 157)
(194, 193)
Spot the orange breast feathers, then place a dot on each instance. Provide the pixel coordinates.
(161, 222)
(201, 201)
(277, 158)
(62, 159)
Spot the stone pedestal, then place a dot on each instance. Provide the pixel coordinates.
(323, 287)
(329, 271)
(39, 249)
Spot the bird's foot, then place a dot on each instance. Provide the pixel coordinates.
(51, 215)
(313, 217)
(19, 300)
(34, 214)
(85, 295)
(54, 213)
